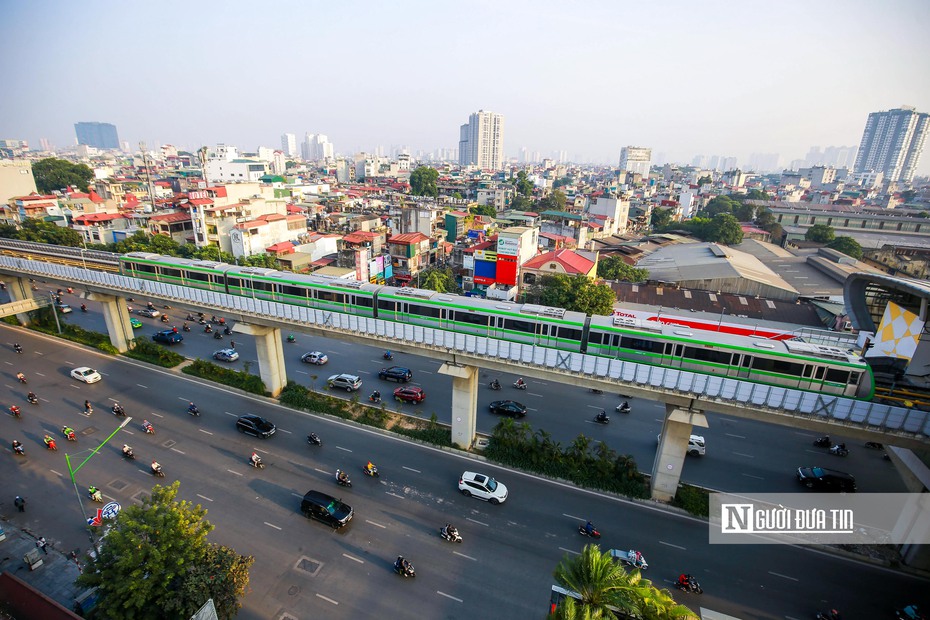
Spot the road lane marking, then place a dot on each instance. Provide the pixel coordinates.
(594, 406)
(425, 372)
(538, 382)
(569, 551)
(301, 372)
(396, 495)
(346, 555)
(204, 432)
(71, 384)
(449, 596)
(478, 522)
(748, 456)
(176, 450)
(40, 374)
(271, 525)
(383, 527)
(783, 576)
(573, 517)
(531, 409)
(284, 430)
(416, 471)
(467, 557)
(673, 546)
(751, 476)
(44, 400)
(341, 448)
(158, 415)
(327, 599)
(142, 386)
(735, 436)
(234, 472)
(204, 497)
(232, 414)
(56, 473)
(534, 394)
(182, 398)
(321, 471)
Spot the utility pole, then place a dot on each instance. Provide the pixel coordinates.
(148, 174)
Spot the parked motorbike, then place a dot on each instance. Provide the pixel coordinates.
(495, 385)
(314, 440)
(823, 442)
(623, 407)
(602, 418)
(519, 386)
(342, 479)
(451, 536)
(403, 568)
(594, 533)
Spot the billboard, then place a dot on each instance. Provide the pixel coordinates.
(508, 246)
(485, 272)
(506, 270)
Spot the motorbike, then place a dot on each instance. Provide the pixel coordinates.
(911, 612)
(18, 449)
(33, 399)
(291, 339)
(388, 355)
(494, 385)
(314, 440)
(217, 336)
(602, 418)
(69, 434)
(691, 586)
(164, 318)
(95, 495)
(403, 568)
(597, 391)
(828, 615)
(823, 442)
(51, 445)
(83, 308)
(186, 328)
(453, 537)
(874, 445)
(519, 386)
(623, 407)
(157, 472)
(149, 429)
(118, 410)
(129, 454)
(375, 398)
(208, 329)
(18, 348)
(227, 331)
(21, 377)
(193, 410)
(839, 451)
(373, 472)
(593, 534)
(15, 411)
(345, 482)
(190, 317)
(257, 464)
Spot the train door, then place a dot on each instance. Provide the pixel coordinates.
(673, 353)
(744, 370)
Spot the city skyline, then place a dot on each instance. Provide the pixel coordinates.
(684, 80)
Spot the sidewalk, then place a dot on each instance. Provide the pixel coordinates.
(54, 578)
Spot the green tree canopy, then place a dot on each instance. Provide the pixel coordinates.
(439, 279)
(553, 202)
(155, 562)
(719, 204)
(765, 218)
(524, 185)
(705, 180)
(521, 203)
(846, 245)
(724, 228)
(744, 212)
(54, 174)
(756, 194)
(561, 182)
(40, 231)
(820, 233)
(578, 293)
(423, 181)
(661, 218)
(613, 268)
(488, 210)
(260, 260)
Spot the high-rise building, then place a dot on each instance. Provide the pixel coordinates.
(481, 141)
(97, 135)
(636, 159)
(892, 142)
(289, 144)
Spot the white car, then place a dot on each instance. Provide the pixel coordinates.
(346, 382)
(695, 445)
(314, 357)
(85, 374)
(482, 487)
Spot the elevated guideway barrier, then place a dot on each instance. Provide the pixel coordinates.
(681, 388)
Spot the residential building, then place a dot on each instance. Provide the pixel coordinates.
(612, 207)
(317, 147)
(289, 144)
(559, 262)
(257, 235)
(21, 208)
(636, 159)
(221, 170)
(500, 196)
(892, 143)
(97, 135)
(409, 255)
(16, 179)
(177, 225)
(481, 141)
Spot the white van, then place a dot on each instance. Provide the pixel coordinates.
(695, 444)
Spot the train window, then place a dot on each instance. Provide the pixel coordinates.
(324, 295)
(807, 371)
(854, 378)
(363, 301)
(199, 276)
(638, 344)
(837, 375)
(470, 317)
(258, 285)
(517, 325)
(143, 268)
(819, 372)
(385, 304)
(595, 338)
(234, 283)
(779, 366)
(293, 291)
(424, 310)
(708, 355)
(569, 334)
(171, 273)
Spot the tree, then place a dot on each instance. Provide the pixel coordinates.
(717, 205)
(457, 195)
(846, 245)
(820, 233)
(524, 185)
(54, 174)
(439, 279)
(553, 202)
(578, 293)
(724, 228)
(423, 181)
(561, 182)
(765, 218)
(744, 212)
(661, 218)
(521, 203)
(40, 231)
(705, 180)
(267, 261)
(603, 584)
(487, 210)
(613, 268)
(756, 194)
(155, 562)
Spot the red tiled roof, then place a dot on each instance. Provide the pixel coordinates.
(200, 201)
(484, 245)
(35, 196)
(408, 238)
(281, 247)
(572, 263)
(98, 217)
(359, 236)
(95, 197)
(294, 209)
(171, 217)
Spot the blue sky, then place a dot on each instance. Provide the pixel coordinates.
(684, 77)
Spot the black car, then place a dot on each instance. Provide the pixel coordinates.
(168, 336)
(255, 425)
(326, 509)
(826, 479)
(508, 407)
(396, 373)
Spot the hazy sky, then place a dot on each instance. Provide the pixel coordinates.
(683, 77)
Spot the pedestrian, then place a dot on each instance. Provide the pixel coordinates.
(20, 503)
(232, 344)
(41, 544)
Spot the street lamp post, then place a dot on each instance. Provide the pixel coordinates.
(51, 296)
(73, 471)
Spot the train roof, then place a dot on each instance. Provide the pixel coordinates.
(679, 332)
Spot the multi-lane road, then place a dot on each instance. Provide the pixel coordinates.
(502, 570)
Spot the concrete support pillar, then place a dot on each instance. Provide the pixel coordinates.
(270, 355)
(464, 402)
(673, 446)
(20, 289)
(116, 315)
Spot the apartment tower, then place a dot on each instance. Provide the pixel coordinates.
(892, 143)
(481, 141)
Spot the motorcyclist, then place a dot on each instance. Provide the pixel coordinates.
(87, 408)
(83, 307)
(94, 493)
(589, 528)
(495, 385)
(186, 327)
(32, 398)
(190, 317)
(147, 426)
(164, 318)
(21, 377)
(342, 477)
(451, 532)
(370, 468)
(127, 450)
(313, 438)
(520, 382)
(18, 348)
(156, 466)
(388, 355)
(207, 329)
(602, 416)
(68, 432)
(291, 338)
(18, 447)
(402, 564)
(14, 410)
(376, 396)
(150, 305)
(256, 459)
(624, 405)
(840, 447)
(118, 409)
(49, 441)
(191, 407)
(217, 336)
